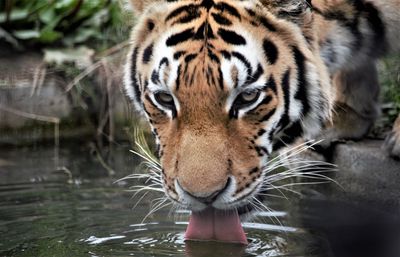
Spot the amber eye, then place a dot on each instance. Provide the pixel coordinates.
(246, 99)
(165, 99)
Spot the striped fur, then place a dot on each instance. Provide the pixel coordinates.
(194, 64)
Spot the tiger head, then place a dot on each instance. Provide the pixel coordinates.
(223, 85)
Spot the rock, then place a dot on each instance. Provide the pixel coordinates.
(367, 172)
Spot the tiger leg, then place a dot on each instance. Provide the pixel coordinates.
(392, 142)
(357, 103)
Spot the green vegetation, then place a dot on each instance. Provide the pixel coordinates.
(64, 22)
(390, 81)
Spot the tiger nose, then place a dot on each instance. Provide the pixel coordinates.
(209, 199)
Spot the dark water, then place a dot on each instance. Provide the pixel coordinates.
(67, 203)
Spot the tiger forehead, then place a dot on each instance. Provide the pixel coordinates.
(201, 35)
(209, 20)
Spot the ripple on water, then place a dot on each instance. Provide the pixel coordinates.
(167, 239)
(55, 219)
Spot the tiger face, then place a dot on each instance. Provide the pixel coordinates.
(223, 85)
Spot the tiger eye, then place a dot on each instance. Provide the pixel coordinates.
(166, 98)
(250, 96)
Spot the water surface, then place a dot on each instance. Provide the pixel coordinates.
(66, 203)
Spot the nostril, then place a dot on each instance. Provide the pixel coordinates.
(213, 196)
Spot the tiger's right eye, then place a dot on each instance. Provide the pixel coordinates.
(246, 99)
(164, 99)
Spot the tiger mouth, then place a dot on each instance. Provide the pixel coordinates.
(219, 225)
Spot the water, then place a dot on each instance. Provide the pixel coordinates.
(66, 203)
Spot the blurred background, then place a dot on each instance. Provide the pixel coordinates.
(61, 66)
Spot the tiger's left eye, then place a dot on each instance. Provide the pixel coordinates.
(165, 100)
(246, 99)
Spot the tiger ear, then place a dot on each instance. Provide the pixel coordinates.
(140, 5)
(297, 11)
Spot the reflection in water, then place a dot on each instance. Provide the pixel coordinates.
(213, 249)
(43, 214)
(352, 230)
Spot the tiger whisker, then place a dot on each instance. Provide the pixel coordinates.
(273, 195)
(270, 210)
(139, 200)
(157, 207)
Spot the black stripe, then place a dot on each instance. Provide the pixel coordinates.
(251, 12)
(231, 37)
(155, 77)
(213, 57)
(254, 77)
(226, 54)
(271, 84)
(268, 115)
(221, 19)
(190, 58)
(180, 37)
(375, 22)
(147, 54)
(207, 4)
(267, 24)
(153, 104)
(178, 79)
(201, 31)
(163, 61)
(135, 85)
(261, 132)
(179, 11)
(210, 33)
(290, 135)
(178, 54)
(259, 151)
(228, 8)
(265, 150)
(270, 51)
(254, 170)
(286, 96)
(267, 99)
(148, 114)
(192, 15)
(301, 94)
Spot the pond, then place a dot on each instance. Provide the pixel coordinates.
(66, 202)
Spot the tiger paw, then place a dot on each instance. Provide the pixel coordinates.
(392, 142)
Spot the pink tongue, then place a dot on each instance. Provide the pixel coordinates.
(218, 225)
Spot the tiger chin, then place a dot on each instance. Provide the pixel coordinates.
(225, 84)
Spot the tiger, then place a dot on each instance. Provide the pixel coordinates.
(225, 84)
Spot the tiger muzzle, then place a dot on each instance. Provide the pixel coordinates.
(202, 169)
